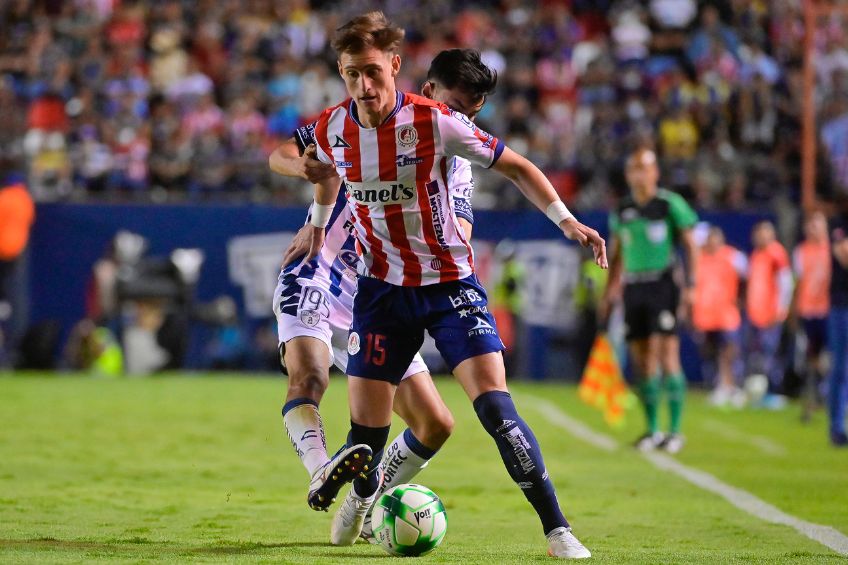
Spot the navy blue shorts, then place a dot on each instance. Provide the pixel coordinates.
(816, 331)
(389, 323)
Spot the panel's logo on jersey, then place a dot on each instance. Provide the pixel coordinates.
(438, 213)
(404, 161)
(341, 143)
(384, 195)
(407, 136)
(353, 343)
(344, 164)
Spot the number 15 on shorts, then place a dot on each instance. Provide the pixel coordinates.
(375, 348)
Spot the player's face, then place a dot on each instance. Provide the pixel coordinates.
(715, 239)
(370, 80)
(816, 227)
(763, 235)
(642, 171)
(455, 98)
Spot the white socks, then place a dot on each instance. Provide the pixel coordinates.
(400, 464)
(306, 432)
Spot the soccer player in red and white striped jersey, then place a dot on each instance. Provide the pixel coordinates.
(391, 150)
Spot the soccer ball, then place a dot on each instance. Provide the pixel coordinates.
(409, 520)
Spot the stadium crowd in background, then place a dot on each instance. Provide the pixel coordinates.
(168, 98)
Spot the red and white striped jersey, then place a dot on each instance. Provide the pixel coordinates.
(396, 180)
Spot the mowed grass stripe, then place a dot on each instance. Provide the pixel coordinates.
(182, 469)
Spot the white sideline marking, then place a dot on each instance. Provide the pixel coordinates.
(575, 427)
(762, 443)
(742, 499)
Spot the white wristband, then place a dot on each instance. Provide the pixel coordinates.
(321, 215)
(557, 212)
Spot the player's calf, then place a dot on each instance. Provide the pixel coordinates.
(521, 455)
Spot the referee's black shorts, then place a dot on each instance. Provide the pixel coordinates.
(651, 307)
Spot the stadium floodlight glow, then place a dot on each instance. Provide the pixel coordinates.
(188, 263)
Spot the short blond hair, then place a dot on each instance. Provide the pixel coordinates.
(368, 30)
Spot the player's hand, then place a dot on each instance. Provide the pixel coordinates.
(587, 237)
(314, 170)
(299, 245)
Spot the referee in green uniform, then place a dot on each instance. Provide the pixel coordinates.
(645, 231)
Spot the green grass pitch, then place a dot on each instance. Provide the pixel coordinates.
(183, 469)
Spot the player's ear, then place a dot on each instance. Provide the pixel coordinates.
(427, 89)
(395, 64)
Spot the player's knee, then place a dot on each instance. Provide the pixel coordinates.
(436, 430)
(309, 381)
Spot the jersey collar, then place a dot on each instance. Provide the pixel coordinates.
(355, 114)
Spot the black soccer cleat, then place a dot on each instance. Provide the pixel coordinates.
(350, 462)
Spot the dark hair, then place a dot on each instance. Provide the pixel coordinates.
(463, 69)
(368, 30)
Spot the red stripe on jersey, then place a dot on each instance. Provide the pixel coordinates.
(352, 154)
(393, 213)
(443, 167)
(397, 233)
(380, 263)
(423, 123)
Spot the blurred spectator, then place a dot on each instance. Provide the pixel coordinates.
(811, 303)
(838, 329)
(769, 294)
(715, 315)
(17, 213)
(583, 83)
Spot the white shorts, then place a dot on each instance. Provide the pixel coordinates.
(305, 308)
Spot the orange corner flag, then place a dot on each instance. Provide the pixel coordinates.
(603, 385)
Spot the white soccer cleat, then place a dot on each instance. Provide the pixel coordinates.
(350, 517)
(367, 532)
(673, 443)
(563, 545)
(650, 441)
(346, 465)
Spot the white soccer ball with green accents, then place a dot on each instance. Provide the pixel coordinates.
(409, 520)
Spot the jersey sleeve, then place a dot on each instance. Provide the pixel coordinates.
(305, 136)
(683, 216)
(461, 138)
(461, 187)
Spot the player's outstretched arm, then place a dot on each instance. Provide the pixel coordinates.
(537, 188)
(326, 193)
(286, 160)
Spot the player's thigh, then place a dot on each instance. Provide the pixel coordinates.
(669, 353)
(481, 374)
(644, 353)
(419, 404)
(304, 334)
(384, 338)
(370, 401)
